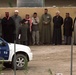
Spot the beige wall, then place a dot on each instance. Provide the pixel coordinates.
(40, 11)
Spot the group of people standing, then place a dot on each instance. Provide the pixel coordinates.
(58, 22)
(26, 31)
(68, 27)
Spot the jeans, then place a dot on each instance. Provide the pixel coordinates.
(35, 37)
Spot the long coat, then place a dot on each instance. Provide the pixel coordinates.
(23, 30)
(46, 29)
(57, 33)
(75, 30)
(68, 26)
(17, 20)
(8, 29)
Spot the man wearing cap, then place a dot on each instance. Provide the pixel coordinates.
(17, 20)
(57, 33)
(8, 28)
(68, 27)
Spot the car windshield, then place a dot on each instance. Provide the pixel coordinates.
(1, 42)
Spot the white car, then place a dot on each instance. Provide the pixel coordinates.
(14, 54)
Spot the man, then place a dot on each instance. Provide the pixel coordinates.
(8, 28)
(17, 20)
(0, 26)
(57, 33)
(68, 23)
(35, 29)
(46, 27)
(75, 31)
(29, 34)
(23, 31)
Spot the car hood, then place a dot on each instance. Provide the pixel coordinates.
(18, 47)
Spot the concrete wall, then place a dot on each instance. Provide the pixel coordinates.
(40, 11)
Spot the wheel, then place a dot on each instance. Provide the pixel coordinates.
(7, 65)
(21, 62)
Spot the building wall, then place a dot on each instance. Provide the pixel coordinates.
(60, 3)
(50, 3)
(40, 11)
(5, 3)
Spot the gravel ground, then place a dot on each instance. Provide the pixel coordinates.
(55, 58)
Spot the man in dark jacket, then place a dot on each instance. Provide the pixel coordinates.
(8, 28)
(68, 24)
(57, 33)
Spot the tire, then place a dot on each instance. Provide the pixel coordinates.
(7, 65)
(21, 62)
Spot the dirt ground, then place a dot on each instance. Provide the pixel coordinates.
(55, 58)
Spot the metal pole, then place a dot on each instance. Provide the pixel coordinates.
(71, 66)
(15, 57)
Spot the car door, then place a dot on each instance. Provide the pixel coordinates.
(4, 50)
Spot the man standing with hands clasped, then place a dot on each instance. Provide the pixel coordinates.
(57, 32)
(68, 28)
(35, 29)
(17, 19)
(46, 28)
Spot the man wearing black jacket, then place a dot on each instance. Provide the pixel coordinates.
(68, 28)
(8, 28)
(57, 33)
